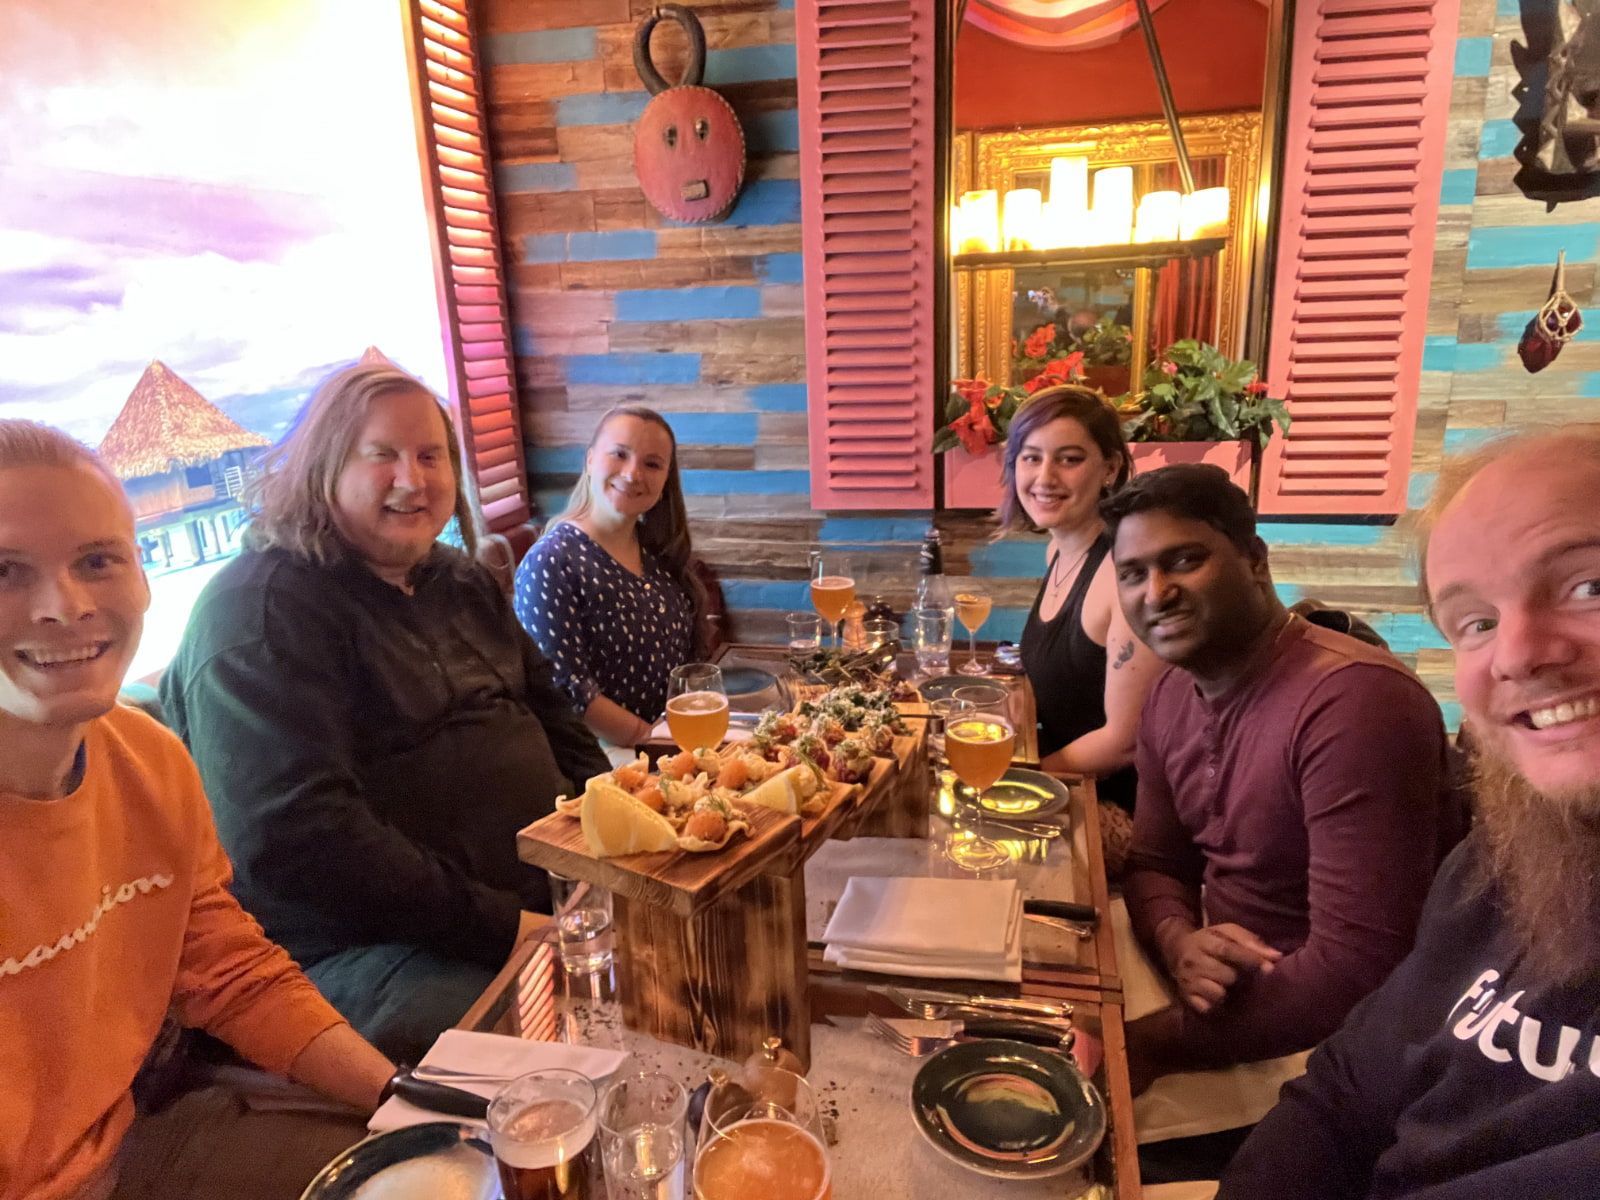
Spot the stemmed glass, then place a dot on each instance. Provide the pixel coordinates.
(763, 1141)
(979, 740)
(697, 706)
(833, 588)
(972, 610)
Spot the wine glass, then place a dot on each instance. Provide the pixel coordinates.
(972, 610)
(978, 743)
(765, 1139)
(697, 706)
(833, 588)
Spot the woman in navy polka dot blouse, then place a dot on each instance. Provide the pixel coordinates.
(607, 591)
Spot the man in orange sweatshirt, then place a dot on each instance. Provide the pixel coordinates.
(114, 904)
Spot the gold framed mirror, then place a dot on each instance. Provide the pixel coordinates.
(1227, 146)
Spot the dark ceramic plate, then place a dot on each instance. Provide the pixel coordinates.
(420, 1162)
(1007, 1109)
(1026, 794)
(747, 681)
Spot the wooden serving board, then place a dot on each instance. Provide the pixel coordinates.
(901, 809)
(675, 880)
(836, 812)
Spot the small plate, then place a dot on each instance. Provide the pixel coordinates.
(943, 687)
(420, 1162)
(1007, 1109)
(747, 681)
(1026, 794)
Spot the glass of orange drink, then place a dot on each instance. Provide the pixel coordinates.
(979, 741)
(764, 1143)
(697, 706)
(833, 587)
(972, 610)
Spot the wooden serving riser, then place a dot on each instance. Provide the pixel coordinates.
(711, 948)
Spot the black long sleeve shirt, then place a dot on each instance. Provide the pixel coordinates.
(370, 755)
(1464, 1076)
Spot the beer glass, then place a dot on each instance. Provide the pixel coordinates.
(833, 588)
(641, 1137)
(697, 706)
(766, 1143)
(978, 744)
(540, 1126)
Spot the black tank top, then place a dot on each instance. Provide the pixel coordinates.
(1068, 672)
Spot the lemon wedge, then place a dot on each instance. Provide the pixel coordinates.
(614, 823)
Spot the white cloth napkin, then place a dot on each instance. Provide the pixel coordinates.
(936, 928)
(1190, 1103)
(498, 1054)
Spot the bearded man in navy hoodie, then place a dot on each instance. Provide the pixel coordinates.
(1474, 1071)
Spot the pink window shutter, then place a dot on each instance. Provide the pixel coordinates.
(867, 154)
(1368, 102)
(458, 188)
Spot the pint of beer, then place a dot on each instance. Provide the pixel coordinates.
(540, 1126)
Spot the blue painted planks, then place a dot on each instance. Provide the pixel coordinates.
(555, 460)
(746, 483)
(713, 429)
(601, 108)
(1531, 245)
(624, 369)
(688, 304)
(781, 268)
(767, 202)
(617, 245)
(751, 64)
(1497, 139)
(1472, 57)
(1458, 186)
(541, 46)
(1459, 441)
(788, 595)
(1419, 487)
(535, 177)
(872, 530)
(1511, 324)
(773, 132)
(1407, 633)
(1009, 560)
(1285, 533)
(778, 397)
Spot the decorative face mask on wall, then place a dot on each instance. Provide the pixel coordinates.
(688, 148)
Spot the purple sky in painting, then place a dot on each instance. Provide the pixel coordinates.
(173, 192)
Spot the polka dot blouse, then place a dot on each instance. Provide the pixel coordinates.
(606, 631)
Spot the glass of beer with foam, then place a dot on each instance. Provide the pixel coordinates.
(766, 1143)
(697, 706)
(541, 1126)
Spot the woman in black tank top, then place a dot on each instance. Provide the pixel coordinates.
(1064, 452)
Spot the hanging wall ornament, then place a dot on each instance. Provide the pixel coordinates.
(1553, 326)
(688, 149)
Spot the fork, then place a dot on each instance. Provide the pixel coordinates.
(920, 1045)
(981, 1006)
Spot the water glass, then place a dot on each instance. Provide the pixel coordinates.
(931, 630)
(939, 713)
(582, 911)
(805, 633)
(879, 631)
(642, 1137)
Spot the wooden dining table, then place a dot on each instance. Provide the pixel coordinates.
(865, 1084)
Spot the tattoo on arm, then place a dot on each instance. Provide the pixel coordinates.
(1123, 655)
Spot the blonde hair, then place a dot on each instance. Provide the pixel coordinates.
(664, 530)
(292, 502)
(1460, 470)
(35, 444)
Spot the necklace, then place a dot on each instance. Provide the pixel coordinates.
(1057, 577)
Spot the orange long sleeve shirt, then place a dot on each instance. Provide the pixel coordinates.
(114, 908)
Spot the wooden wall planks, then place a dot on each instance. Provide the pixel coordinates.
(614, 305)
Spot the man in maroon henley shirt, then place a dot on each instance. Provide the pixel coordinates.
(1293, 787)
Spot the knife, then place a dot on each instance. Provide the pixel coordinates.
(1084, 914)
(1017, 1031)
(435, 1097)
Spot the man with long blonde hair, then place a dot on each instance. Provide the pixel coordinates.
(372, 724)
(1474, 1070)
(114, 903)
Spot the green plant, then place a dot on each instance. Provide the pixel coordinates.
(1201, 395)
(1106, 344)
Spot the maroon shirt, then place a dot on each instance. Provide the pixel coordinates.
(1308, 800)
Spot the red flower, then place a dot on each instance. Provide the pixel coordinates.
(1039, 341)
(975, 429)
(1057, 371)
(1255, 387)
(1169, 368)
(970, 390)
